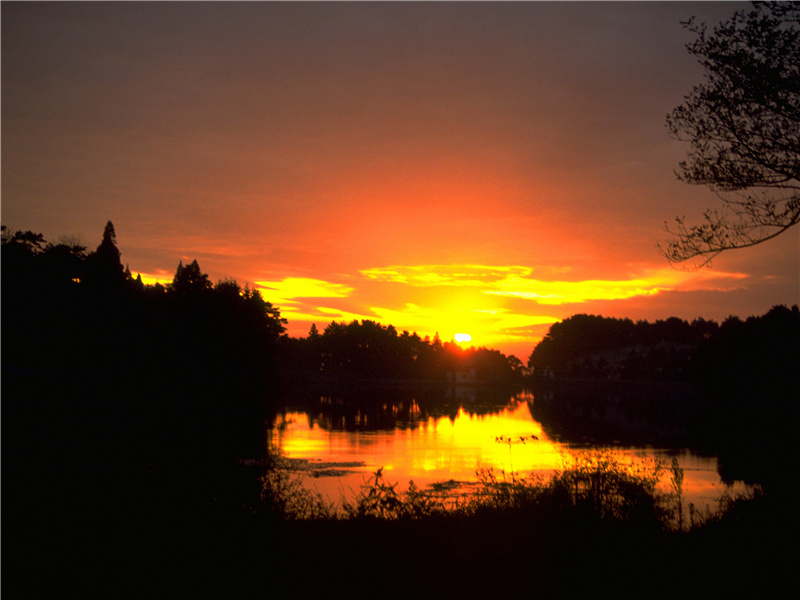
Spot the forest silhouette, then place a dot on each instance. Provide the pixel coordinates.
(163, 372)
(191, 368)
(128, 408)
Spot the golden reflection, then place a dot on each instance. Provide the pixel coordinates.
(454, 447)
(439, 448)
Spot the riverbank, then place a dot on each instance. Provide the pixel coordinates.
(168, 535)
(531, 556)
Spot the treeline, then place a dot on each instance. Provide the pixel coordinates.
(591, 346)
(99, 364)
(99, 367)
(730, 388)
(111, 368)
(368, 351)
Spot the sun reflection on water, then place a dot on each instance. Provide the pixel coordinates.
(453, 447)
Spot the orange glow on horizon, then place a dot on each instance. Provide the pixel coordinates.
(161, 276)
(488, 192)
(497, 305)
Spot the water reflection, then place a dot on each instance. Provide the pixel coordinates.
(429, 441)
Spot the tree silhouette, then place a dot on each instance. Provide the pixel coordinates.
(103, 266)
(28, 241)
(107, 252)
(190, 279)
(743, 125)
(595, 346)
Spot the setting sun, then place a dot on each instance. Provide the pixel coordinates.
(462, 338)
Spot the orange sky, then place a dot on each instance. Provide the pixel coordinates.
(442, 167)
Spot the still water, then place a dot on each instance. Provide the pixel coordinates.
(338, 447)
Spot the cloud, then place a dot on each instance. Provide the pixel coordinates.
(306, 313)
(576, 292)
(451, 275)
(516, 282)
(304, 300)
(648, 284)
(293, 288)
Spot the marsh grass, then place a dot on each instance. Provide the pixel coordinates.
(589, 485)
(596, 483)
(379, 499)
(284, 496)
(595, 524)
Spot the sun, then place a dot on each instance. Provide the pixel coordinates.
(462, 337)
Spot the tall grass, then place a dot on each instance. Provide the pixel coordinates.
(283, 494)
(590, 484)
(595, 524)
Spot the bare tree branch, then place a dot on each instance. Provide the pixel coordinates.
(743, 127)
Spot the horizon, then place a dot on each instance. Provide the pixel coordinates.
(480, 169)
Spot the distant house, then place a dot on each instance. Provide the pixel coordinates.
(462, 377)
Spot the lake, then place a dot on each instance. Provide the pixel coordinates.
(337, 444)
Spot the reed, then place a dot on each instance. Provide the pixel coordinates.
(590, 485)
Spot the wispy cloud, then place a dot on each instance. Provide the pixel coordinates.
(516, 282)
(293, 288)
(437, 275)
(647, 284)
(302, 312)
(304, 300)
(576, 292)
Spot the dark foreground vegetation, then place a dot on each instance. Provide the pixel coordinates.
(200, 533)
(134, 456)
(596, 526)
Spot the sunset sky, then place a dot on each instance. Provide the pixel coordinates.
(487, 168)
